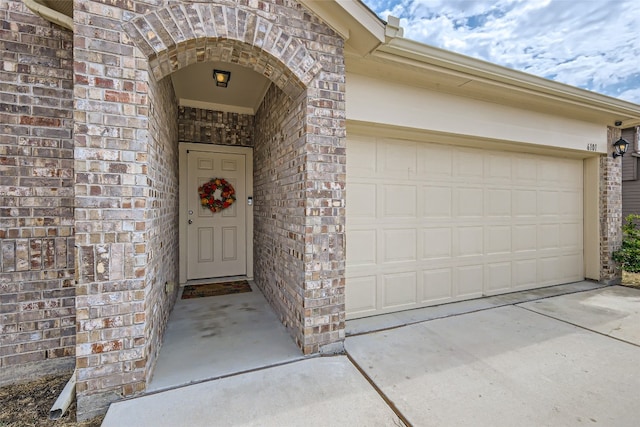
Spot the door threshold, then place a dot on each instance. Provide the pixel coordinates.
(215, 280)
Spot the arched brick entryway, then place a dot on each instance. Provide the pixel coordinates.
(126, 198)
(183, 34)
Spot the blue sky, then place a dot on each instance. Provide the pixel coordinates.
(592, 44)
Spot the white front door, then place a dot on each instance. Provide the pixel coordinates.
(216, 242)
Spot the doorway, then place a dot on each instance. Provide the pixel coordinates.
(215, 244)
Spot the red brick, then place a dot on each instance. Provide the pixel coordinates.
(40, 121)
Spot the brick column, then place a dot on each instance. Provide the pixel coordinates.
(325, 251)
(610, 210)
(126, 207)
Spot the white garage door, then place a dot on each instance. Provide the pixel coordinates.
(430, 223)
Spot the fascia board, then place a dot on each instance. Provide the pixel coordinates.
(365, 17)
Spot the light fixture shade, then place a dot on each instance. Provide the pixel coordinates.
(221, 77)
(620, 147)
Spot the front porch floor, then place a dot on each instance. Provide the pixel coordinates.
(213, 337)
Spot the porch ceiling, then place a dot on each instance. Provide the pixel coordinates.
(195, 87)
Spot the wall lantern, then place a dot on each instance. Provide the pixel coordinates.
(221, 77)
(621, 147)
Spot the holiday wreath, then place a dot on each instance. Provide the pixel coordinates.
(217, 201)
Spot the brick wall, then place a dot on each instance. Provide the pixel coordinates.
(610, 211)
(279, 207)
(37, 307)
(215, 127)
(161, 241)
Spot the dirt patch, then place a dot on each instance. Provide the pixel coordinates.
(28, 404)
(631, 279)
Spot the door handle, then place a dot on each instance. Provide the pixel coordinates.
(190, 221)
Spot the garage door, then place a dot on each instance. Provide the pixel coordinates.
(430, 223)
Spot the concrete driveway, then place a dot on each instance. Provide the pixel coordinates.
(568, 360)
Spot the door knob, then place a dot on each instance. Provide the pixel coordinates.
(190, 221)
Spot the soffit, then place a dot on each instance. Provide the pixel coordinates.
(63, 6)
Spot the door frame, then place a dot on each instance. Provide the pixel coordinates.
(183, 205)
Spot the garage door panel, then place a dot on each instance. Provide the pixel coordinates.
(397, 159)
(362, 158)
(549, 270)
(525, 273)
(525, 238)
(435, 162)
(363, 248)
(399, 245)
(470, 241)
(525, 203)
(571, 236)
(399, 289)
(572, 266)
(469, 281)
(399, 200)
(549, 172)
(362, 198)
(498, 277)
(498, 202)
(436, 243)
(437, 285)
(570, 204)
(468, 164)
(525, 170)
(469, 202)
(549, 203)
(498, 239)
(571, 175)
(436, 202)
(362, 295)
(498, 168)
(548, 236)
(429, 223)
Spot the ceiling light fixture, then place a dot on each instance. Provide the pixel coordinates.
(221, 77)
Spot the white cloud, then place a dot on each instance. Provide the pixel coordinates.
(592, 44)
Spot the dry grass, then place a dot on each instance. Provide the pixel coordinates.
(631, 279)
(28, 404)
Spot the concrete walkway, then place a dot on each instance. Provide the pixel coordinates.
(315, 392)
(567, 360)
(208, 338)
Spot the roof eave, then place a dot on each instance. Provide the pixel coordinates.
(362, 30)
(62, 14)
